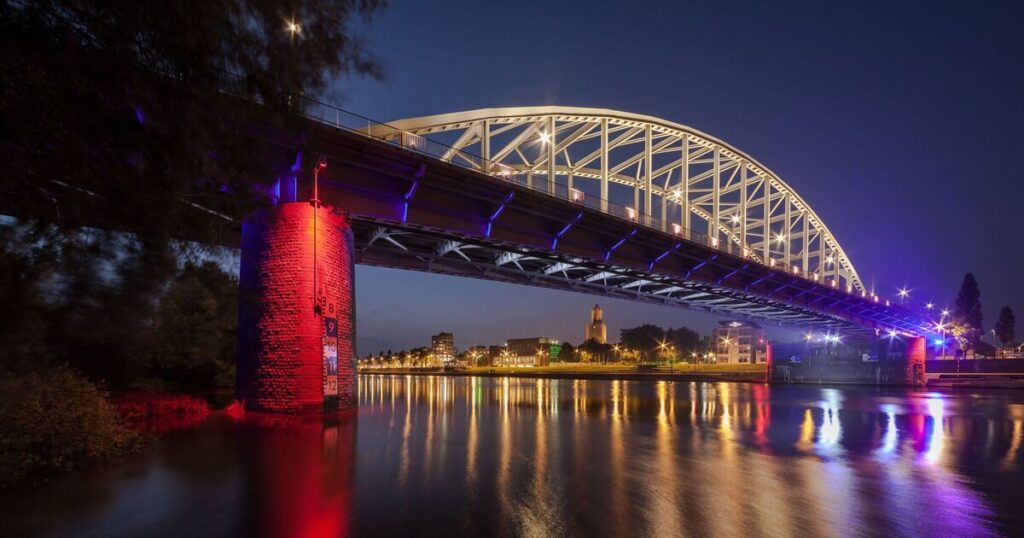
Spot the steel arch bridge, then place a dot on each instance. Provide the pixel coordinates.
(596, 201)
(656, 172)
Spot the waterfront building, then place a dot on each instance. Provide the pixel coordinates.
(537, 351)
(596, 329)
(493, 352)
(442, 346)
(739, 341)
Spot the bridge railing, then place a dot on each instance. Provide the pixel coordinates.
(536, 180)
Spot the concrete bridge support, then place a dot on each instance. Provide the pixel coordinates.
(296, 340)
(868, 361)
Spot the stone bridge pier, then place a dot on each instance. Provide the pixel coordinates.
(296, 317)
(869, 361)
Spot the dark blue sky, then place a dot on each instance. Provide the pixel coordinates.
(900, 123)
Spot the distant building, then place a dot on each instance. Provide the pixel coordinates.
(442, 345)
(536, 351)
(739, 342)
(493, 352)
(596, 330)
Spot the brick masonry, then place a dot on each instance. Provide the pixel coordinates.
(281, 321)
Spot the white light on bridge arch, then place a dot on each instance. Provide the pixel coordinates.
(545, 138)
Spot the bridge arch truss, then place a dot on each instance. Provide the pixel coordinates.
(659, 173)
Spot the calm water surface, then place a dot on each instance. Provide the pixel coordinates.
(494, 456)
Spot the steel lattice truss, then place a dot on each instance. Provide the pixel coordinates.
(413, 249)
(658, 173)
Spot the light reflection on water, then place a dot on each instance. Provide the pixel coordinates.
(667, 458)
(501, 456)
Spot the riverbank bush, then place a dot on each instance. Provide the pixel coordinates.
(54, 422)
(159, 412)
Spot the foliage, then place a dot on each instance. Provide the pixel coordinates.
(568, 353)
(645, 339)
(967, 310)
(55, 421)
(157, 412)
(964, 334)
(196, 329)
(684, 340)
(1006, 328)
(120, 99)
(22, 307)
(114, 129)
(594, 351)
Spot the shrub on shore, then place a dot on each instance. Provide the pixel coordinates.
(158, 412)
(54, 422)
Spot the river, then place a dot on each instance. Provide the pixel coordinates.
(434, 455)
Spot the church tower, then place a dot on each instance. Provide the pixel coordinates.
(596, 329)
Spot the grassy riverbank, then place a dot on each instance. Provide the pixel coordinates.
(724, 372)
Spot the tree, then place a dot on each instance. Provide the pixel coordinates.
(114, 117)
(644, 339)
(196, 329)
(567, 353)
(1006, 326)
(684, 339)
(595, 350)
(967, 310)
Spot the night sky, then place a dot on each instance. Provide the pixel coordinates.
(900, 123)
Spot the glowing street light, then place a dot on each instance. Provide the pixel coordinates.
(930, 306)
(904, 292)
(293, 27)
(945, 313)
